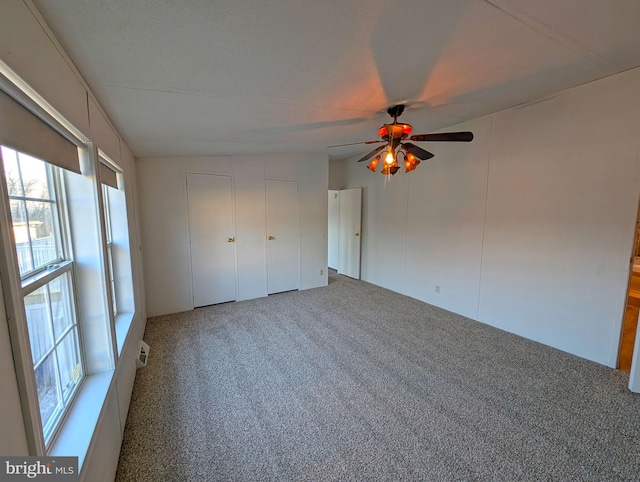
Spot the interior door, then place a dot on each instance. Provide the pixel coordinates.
(212, 236)
(283, 236)
(350, 234)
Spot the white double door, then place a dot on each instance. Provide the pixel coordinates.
(283, 236)
(213, 244)
(212, 236)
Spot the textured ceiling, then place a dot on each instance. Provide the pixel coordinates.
(215, 77)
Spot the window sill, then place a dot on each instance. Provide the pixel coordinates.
(123, 325)
(77, 430)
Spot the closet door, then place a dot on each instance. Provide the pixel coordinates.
(212, 236)
(283, 236)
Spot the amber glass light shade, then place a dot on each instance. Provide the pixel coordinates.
(408, 167)
(373, 164)
(389, 158)
(411, 164)
(390, 169)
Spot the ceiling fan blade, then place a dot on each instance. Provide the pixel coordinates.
(356, 143)
(444, 137)
(419, 152)
(375, 151)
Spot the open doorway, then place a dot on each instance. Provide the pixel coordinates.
(333, 261)
(632, 309)
(344, 238)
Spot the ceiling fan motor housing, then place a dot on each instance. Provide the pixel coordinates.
(395, 110)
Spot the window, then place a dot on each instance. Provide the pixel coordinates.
(33, 210)
(43, 258)
(117, 249)
(107, 222)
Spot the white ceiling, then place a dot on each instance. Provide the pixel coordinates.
(215, 77)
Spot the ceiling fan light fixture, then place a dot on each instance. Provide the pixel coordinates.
(373, 164)
(393, 136)
(390, 170)
(411, 165)
(389, 158)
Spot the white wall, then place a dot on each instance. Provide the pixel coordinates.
(529, 228)
(314, 173)
(30, 52)
(444, 223)
(164, 236)
(336, 175)
(561, 211)
(14, 439)
(164, 222)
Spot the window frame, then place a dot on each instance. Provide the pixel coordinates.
(53, 186)
(30, 117)
(109, 248)
(116, 238)
(51, 427)
(40, 277)
(43, 434)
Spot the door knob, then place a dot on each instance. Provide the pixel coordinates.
(230, 240)
(357, 234)
(270, 238)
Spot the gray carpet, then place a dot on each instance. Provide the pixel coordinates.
(354, 382)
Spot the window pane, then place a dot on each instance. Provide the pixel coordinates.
(37, 309)
(69, 362)
(42, 232)
(48, 393)
(34, 177)
(21, 234)
(112, 278)
(10, 159)
(61, 308)
(107, 213)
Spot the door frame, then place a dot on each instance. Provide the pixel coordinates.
(336, 193)
(266, 231)
(343, 236)
(634, 373)
(233, 224)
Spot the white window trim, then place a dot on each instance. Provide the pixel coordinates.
(13, 85)
(34, 280)
(122, 320)
(14, 302)
(76, 431)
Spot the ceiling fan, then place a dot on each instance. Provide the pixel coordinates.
(392, 140)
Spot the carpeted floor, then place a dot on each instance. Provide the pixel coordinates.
(354, 382)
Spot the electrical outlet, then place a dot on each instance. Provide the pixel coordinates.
(437, 288)
(321, 272)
